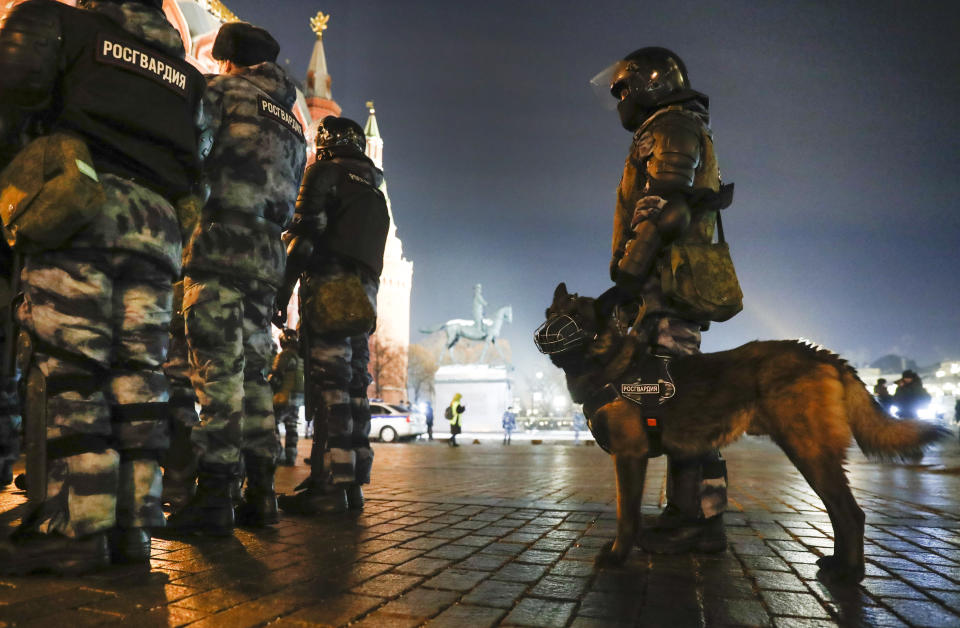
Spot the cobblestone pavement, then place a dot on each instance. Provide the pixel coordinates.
(484, 535)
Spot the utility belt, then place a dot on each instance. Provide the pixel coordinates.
(241, 219)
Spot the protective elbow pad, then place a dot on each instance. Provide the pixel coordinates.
(319, 183)
(676, 150)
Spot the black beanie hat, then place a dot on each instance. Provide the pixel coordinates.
(244, 44)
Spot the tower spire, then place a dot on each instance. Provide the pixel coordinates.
(320, 101)
(374, 148)
(318, 79)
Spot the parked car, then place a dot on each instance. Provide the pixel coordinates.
(392, 421)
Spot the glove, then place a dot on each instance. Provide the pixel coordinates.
(280, 307)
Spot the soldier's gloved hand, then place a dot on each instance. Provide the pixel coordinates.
(647, 208)
(280, 308)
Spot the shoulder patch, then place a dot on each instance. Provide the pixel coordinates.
(272, 110)
(143, 61)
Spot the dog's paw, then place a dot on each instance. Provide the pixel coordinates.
(835, 571)
(611, 555)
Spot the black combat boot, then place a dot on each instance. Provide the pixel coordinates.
(210, 510)
(129, 546)
(179, 469)
(315, 499)
(31, 552)
(682, 527)
(178, 488)
(259, 505)
(704, 536)
(355, 497)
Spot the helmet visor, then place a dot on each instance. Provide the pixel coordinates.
(601, 84)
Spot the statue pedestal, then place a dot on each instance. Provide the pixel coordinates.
(486, 393)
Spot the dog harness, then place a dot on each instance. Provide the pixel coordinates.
(648, 384)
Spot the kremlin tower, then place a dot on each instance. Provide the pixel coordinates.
(393, 299)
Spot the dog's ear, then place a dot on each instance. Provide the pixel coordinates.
(560, 293)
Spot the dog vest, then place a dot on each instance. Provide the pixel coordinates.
(649, 384)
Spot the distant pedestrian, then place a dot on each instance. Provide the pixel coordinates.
(910, 395)
(884, 398)
(509, 423)
(579, 423)
(428, 411)
(453, 414)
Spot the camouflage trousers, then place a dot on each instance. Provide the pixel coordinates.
(230, 347)
(695, 486)
(336, 396)
(9, 424)
(289, 416)
(98, 322)
(180, 459)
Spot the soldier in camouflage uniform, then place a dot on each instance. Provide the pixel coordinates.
(339, 234)
(232, 268)
(671, 163)
(286, 379)
(9, 402)
(180, 461)
(97, 309)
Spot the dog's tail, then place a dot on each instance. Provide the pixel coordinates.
(880, 435)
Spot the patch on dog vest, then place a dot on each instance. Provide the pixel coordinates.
(636, 391)
(272, 110)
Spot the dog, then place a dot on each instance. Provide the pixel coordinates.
(807, 399)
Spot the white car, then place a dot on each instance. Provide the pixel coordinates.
(390, 422)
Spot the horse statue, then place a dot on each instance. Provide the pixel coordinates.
(488, 334)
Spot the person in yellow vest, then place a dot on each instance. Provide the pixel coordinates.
(453, 413)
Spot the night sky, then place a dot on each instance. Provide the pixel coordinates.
(838, 122)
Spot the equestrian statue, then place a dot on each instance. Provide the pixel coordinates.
(480, 328)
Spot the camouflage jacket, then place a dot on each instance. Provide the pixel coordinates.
(254, 171)
(140, 222)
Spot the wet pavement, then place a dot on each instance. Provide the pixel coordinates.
(486, 535)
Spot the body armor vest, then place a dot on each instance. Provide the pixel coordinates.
(357, 220)
(133, 105)
(635, 178)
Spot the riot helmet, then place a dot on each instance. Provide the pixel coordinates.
(643, 81)
(340, 137)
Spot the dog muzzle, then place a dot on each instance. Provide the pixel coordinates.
(561, 334)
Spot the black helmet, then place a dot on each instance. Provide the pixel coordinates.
(340, 136)
(642, 81)
(288, 338)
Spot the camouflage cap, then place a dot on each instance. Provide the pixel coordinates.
(244, 44)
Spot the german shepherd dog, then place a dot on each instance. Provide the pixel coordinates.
(807, 399)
